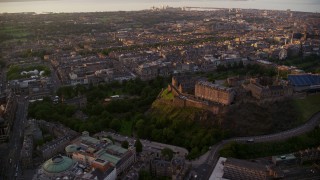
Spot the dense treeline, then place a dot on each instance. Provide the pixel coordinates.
(308, 64)
(236, 69)
(136, 96)
(31, 53)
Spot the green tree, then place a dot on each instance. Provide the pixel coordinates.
(145, 175)
(115, 124)
(138, 146)
(167, 153)
(2, 64)
(111, 138)
(125, 144)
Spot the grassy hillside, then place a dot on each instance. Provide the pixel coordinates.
(250, 119)
(198, 129)
(192, 128)
(307, 107)
(304, 108)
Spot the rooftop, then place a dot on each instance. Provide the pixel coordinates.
(245, 164)
(58, 164)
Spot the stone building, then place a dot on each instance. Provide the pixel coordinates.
(260, 91)
(213, 92)
(35, 88)
(54, 147)
(184, 84)
(149, 71)
(310, 154)
(26, 152)
(101, 153)
(175, 169)
(63, 136)
(7, 115)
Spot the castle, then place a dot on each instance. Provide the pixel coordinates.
(189, 91)
(213, 92)
(268, 91)
(196, 92)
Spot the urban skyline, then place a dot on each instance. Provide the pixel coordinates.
(44, 6)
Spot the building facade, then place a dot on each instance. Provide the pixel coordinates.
(244, 170)
(101, 153)
(7, 116)
(261, 92)
(213, 92)
(184, 84)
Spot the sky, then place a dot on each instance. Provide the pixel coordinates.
(41, 6)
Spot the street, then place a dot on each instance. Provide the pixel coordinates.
(16, 139)
(213, 156)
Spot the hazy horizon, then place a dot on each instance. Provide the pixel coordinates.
(41, 6)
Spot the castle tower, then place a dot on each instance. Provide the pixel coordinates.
(174, 81)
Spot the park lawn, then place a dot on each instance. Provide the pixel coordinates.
(308, 106)
(14, 71)
(126, 127)
(14, 31)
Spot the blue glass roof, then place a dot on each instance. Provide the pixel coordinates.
(304, 80)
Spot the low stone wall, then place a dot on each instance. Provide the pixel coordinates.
(178, 102)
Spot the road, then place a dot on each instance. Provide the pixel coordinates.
(16, 139)
(207, 165)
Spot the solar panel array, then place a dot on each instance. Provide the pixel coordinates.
(304, 80)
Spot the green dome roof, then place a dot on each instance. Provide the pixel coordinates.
(58, 164)
(71, 148)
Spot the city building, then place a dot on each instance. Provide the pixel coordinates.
(88, 158)
(108, 173)
(175, 169)
(35, 88)
(286, 159)
(236, 169)
(7, 115)
(101, 153)
(160, 168)
(26, 152)
(310, 154)
(151, 70)
(58, 167)
(63, 136)
(54, 147)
